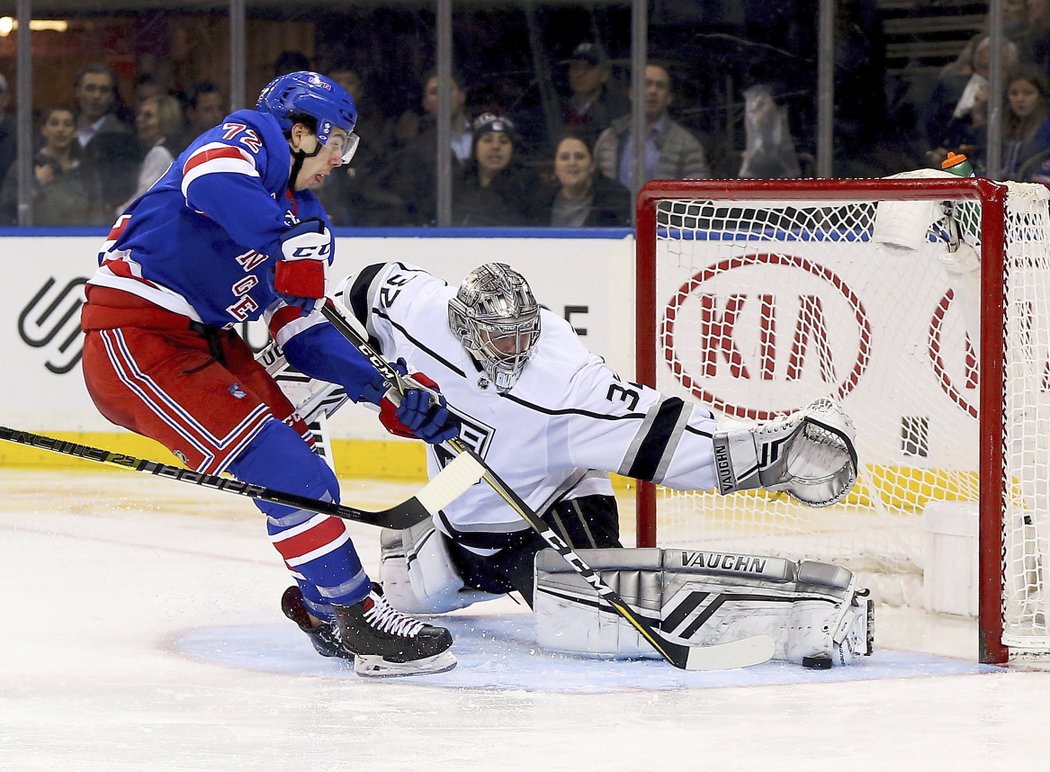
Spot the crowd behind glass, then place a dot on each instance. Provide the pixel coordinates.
(540, 107)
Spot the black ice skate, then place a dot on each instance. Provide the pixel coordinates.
(389, 643)
(325, 637)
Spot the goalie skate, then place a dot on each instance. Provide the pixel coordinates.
(386, 643)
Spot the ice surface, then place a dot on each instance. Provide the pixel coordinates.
(141, 630)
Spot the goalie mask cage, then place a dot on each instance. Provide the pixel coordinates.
(755, 297)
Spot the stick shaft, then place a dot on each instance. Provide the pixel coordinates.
(225, 484)
(675, 653)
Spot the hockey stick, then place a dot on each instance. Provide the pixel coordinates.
(742, 653)
(434, 495)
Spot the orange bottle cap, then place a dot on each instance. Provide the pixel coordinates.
(952, 160)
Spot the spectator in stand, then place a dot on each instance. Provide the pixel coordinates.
(107, 145)
(360, 194)
(496, 189)
(770, 151)
(291, 61)
(592, 104)
(146, 86)
(206, 107)
(671, 151)
(159, 124)
(373, 127)
(8, 133)
(1015, 29)
(1034, 43)
(416, 177)
(957, 114)
(1026, 125)
(65, 191)
(581, 196)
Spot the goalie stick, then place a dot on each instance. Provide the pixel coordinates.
(733, 654)
(433, 496)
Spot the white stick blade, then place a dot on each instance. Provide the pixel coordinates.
(726, 656)
(450, 482)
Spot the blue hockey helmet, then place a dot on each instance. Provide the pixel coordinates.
(308, 93)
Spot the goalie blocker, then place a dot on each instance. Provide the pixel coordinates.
(813, 611)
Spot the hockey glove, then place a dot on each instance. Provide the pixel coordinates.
(301, 272)
(421, 413)
(425, 413)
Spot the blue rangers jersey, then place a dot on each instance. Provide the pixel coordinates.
(202, 242)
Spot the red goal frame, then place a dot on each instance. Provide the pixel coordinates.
(992, 196)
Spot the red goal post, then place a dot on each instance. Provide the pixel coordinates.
(748, 293)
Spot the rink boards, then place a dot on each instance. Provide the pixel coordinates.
(585, 276)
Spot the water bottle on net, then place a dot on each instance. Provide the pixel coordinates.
(956, 163)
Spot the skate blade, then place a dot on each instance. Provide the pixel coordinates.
(374, 666)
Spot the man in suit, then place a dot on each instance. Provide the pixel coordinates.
(106, 142)
(671, 151)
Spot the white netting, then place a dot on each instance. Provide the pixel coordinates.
(763, 306)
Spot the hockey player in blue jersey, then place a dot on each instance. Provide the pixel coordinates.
(231, 232)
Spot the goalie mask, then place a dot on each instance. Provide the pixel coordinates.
(496, 317)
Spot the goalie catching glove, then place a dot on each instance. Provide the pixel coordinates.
(420, 413)
(301, 273)
(809, 455)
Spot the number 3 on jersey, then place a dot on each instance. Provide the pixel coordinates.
(618, 392)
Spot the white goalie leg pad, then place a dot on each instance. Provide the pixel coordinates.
(568, 615)
(418, 574)
(809, 455)
(815, 636)
(712, 597)
(813, 611)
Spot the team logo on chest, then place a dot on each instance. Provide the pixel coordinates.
(475, 434)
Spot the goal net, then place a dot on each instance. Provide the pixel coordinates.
(923, 307)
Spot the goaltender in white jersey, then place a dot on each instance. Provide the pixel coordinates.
(553, 419)
(542, 423)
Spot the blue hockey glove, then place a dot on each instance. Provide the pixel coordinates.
(376, 391)
(425, 413)
(422, 412)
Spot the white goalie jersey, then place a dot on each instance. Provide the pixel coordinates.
(567, 421)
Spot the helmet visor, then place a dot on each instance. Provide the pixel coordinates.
(343, 145)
